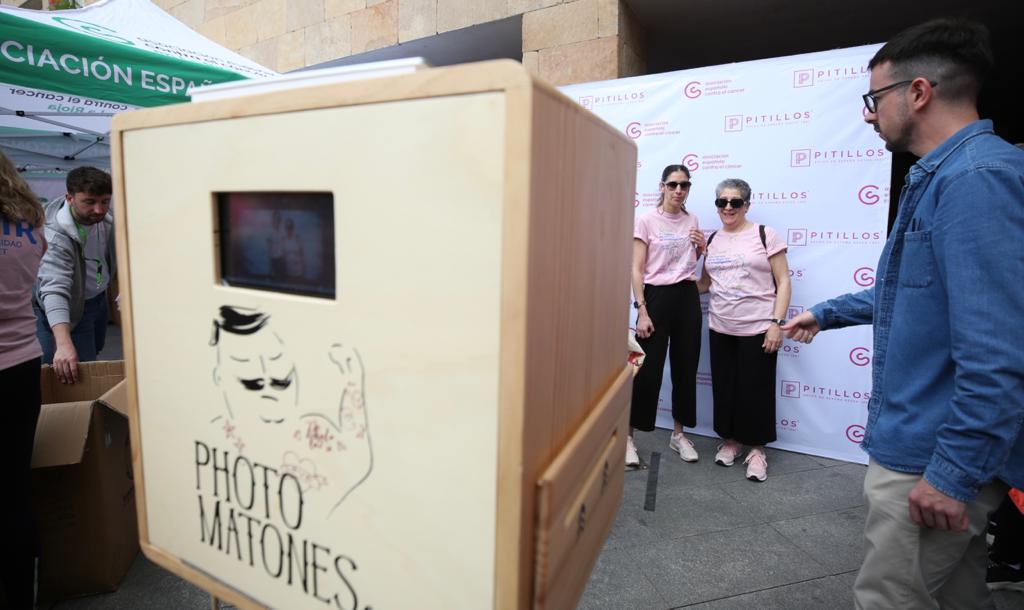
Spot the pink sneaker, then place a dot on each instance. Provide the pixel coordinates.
(683, 446)
(727, 453)
(757, 465)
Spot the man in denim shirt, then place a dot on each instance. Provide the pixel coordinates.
(947, 399)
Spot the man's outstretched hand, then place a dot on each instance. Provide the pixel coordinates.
(802, 328)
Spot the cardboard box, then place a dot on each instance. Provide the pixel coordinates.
(82, 483)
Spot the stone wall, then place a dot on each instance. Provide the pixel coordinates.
(564, 41)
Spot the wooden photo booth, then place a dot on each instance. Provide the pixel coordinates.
(375, 339)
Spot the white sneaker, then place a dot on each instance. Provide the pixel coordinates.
(632, 459)
(683, 446)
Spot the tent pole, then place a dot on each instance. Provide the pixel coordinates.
(87, 147)
(34, 117)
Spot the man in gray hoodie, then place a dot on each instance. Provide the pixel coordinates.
(70, 299)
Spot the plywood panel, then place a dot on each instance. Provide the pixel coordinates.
(411, 342)
(483, 230)
(579, 249)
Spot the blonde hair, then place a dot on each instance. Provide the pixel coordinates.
(17, 202)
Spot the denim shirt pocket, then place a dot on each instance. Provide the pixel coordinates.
(917, 267)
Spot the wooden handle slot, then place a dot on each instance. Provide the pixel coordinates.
(578, 497)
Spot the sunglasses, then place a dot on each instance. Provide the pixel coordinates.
(674, 185)
(733, 203)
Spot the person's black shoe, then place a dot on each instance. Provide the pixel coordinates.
(1004, 577)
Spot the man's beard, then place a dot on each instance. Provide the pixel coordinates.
(900, 140)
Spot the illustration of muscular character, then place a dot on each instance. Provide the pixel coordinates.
(326, 447)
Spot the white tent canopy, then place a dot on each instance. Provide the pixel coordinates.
(63, 74)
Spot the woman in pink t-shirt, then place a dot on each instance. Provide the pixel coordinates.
(667, 242)
(746, 271)
(21, 247)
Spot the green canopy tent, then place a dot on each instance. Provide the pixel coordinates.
(63, 74)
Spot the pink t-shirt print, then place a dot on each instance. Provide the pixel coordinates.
(742, 290)
(671, 256)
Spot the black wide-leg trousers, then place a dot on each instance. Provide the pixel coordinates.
(675, 312)
(743, 387)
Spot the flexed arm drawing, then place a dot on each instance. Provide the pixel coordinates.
(342, 429)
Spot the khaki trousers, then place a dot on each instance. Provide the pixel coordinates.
(910, 567)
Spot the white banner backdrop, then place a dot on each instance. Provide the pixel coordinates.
(793, 128)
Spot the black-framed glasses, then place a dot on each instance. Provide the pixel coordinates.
(685, 185)
(733, 203)
(871, 97)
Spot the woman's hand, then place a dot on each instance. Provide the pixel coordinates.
(699, 241)
(772, 339)
(644, 326)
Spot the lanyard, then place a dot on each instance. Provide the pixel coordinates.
(84, 235)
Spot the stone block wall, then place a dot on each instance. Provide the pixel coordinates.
(564, 41)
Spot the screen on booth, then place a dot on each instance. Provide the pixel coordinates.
(283, 242)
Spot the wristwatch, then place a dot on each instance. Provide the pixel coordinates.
(638, 304)
(779, 322)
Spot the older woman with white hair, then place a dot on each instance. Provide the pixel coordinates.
(746, 271)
